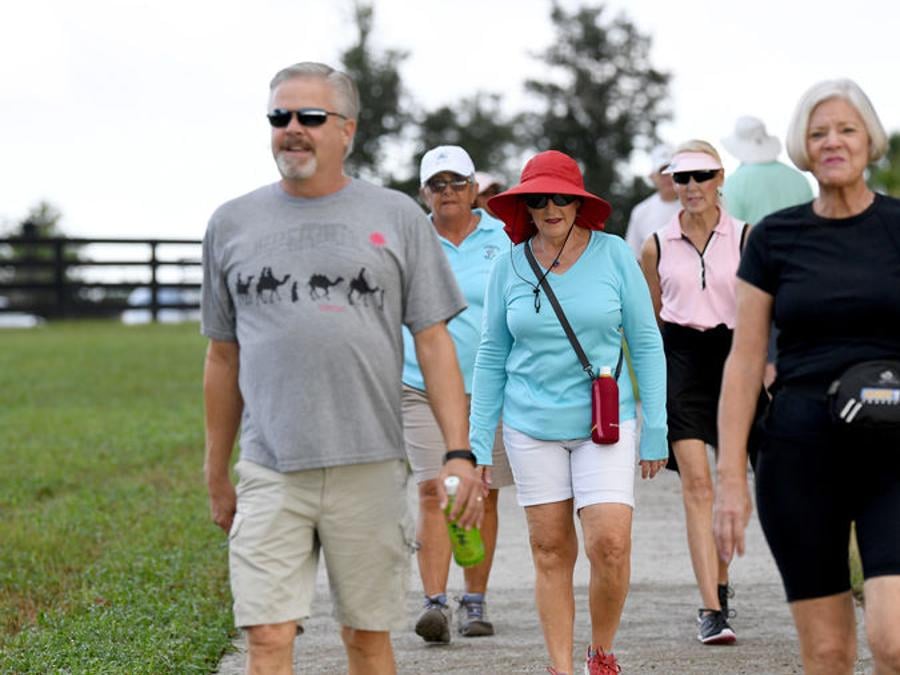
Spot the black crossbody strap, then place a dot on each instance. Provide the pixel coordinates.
(567, 327)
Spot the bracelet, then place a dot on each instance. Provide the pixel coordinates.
(461, 454)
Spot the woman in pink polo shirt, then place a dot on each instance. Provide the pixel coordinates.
(690, 266)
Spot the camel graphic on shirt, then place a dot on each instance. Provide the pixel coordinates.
(319, 285)
(243, 289)
(363, 290)
(267, 286)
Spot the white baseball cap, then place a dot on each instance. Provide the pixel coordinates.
(445, 158)
(660, 157)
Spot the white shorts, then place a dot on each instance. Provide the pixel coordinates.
(553, 471)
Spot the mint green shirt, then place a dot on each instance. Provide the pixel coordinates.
(756, 190)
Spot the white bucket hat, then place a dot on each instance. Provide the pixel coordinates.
(750, 143)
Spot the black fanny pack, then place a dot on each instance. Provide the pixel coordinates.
(867, 396)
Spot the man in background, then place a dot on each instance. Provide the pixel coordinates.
(657, 209)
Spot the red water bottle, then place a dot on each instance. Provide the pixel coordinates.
(605, 408)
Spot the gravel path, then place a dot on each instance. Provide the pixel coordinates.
(658, 631)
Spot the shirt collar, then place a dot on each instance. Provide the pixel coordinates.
(487, 221)
(673, 231)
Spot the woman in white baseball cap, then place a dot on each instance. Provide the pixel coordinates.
(471, 240)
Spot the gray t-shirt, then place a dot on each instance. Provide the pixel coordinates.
(314, 291)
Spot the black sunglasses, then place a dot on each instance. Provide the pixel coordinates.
(540, 201)
(308, 117)
(437, 186)
(684, 177)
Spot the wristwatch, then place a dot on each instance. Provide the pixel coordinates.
(461, 454)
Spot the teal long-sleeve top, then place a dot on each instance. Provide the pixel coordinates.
(526, 368)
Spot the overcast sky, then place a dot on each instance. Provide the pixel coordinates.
(138, 117)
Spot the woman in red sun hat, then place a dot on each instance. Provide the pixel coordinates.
(528, 368)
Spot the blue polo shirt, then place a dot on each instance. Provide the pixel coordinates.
(471, 263)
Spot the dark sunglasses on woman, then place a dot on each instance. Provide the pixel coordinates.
(437, 185)
(684, 177)
(307, 117)
(540, 201)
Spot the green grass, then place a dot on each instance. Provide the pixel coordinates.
(108, 560)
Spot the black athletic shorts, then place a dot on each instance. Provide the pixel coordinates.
(694, 363)
(812, 481)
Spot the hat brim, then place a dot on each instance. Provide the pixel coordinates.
(509, 206)
(753, 153)
(692, 161)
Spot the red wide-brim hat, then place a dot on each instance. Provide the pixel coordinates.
(550, 172)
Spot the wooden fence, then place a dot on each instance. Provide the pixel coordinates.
(55, 277)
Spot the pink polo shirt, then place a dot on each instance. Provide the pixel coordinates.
(698, 285)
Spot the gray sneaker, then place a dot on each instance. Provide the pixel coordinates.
(434, 622)
(471, 617)
(714, 628)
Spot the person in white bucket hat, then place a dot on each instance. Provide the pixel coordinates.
(761, 184)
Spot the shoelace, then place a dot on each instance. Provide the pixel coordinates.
(431, 603)
(602, 663)
(717, 619)
(474, 609)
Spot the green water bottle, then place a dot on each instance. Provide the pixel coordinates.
(468, 548)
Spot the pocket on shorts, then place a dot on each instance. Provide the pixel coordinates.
(235, 526)
(406, 524)
(408, 534)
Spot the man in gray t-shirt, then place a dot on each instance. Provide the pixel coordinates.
(306, 285)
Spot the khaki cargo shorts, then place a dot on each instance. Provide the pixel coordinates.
(356, 515)
(425, 445)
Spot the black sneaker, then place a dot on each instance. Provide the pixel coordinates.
(725, 593)
(434, 623)
(714, 628)
(471, 617)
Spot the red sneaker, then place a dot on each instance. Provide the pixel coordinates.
(600, 663)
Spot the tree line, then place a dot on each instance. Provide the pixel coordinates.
(597, 98)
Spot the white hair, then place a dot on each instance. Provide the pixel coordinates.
(345, 92)
(849, 91)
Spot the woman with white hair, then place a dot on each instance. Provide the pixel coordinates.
(829, 273)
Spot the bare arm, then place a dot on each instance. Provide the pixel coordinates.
(649, 263)
(741, 382)
(223, 407)
(447, 395)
